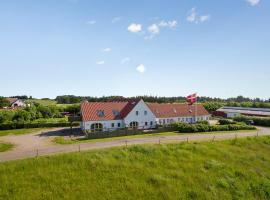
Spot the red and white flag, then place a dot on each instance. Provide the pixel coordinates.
(191, 99)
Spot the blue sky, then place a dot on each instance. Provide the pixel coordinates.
(151, 47)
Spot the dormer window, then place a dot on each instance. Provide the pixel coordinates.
(116, 113)
(100, 113)
(145, 112)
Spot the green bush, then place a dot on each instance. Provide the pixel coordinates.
(226, 122)
(260, 121)
(203, 122)
(193, 128)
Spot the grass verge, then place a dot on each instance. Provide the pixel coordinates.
(21, 131)
(236, 169)
(65, 140)
(5, 146)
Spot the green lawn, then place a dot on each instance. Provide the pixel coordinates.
(62, 140)
(236, 169)
(5, 147)
(21, 131)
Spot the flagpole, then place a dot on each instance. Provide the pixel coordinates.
(196, 109)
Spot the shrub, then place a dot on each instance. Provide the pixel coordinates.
(193, 128)
(226, 121)
(203, 122)
(260, 121)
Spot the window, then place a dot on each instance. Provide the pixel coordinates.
(112, 125)
(151, 123)
(145, 112)
(119, 125)
(168, 120)
(179, 119)
(100, 113)
(134, 124)
(97, 127)
(164, 121)
(146, 123)
(137, 113)
(116, 113)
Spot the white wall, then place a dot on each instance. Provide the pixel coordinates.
(19, 103)
(231, 114)
(141, 118)
(107, 125)
(187, 119)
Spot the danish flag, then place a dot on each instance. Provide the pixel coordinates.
(191, 99)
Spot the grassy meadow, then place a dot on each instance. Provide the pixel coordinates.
(235, 169)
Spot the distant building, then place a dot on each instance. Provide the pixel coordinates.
(108, 116)
(230, 112)
(15, 102)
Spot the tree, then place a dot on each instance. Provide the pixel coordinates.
(4, 102)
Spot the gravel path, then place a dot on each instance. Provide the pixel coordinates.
(33, 145)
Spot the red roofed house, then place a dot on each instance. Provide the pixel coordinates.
(108, 116)
(169, 113)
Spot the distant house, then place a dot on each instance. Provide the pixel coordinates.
(230, 112)
(15, 102)
(108, 116)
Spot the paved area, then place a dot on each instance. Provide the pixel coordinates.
(38, 144)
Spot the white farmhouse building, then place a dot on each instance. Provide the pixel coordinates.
(108, 116)
(15, 102)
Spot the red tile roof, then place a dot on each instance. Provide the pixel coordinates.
(11, 100)
(89, 110)
(176, 110)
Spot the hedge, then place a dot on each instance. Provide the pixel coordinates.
(226, 121)
(260, 121)
(12, 125)
(126, 132)
(193, 128)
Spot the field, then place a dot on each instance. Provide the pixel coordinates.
(42, 101)
(5, 146)
(21, 131)
(236, 169)
(65, 140)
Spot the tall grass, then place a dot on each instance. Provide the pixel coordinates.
(237, 169)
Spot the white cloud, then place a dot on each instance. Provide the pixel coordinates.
(107, 49)
(134, 28)
(116, 19)
(253, 2)
(125, 60)
(170, 24)
(91, 22)
(204, 18)
(194, 17)
(153, 29)
(100, 62)
(140, 68)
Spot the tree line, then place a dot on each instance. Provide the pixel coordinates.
(68, 99)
